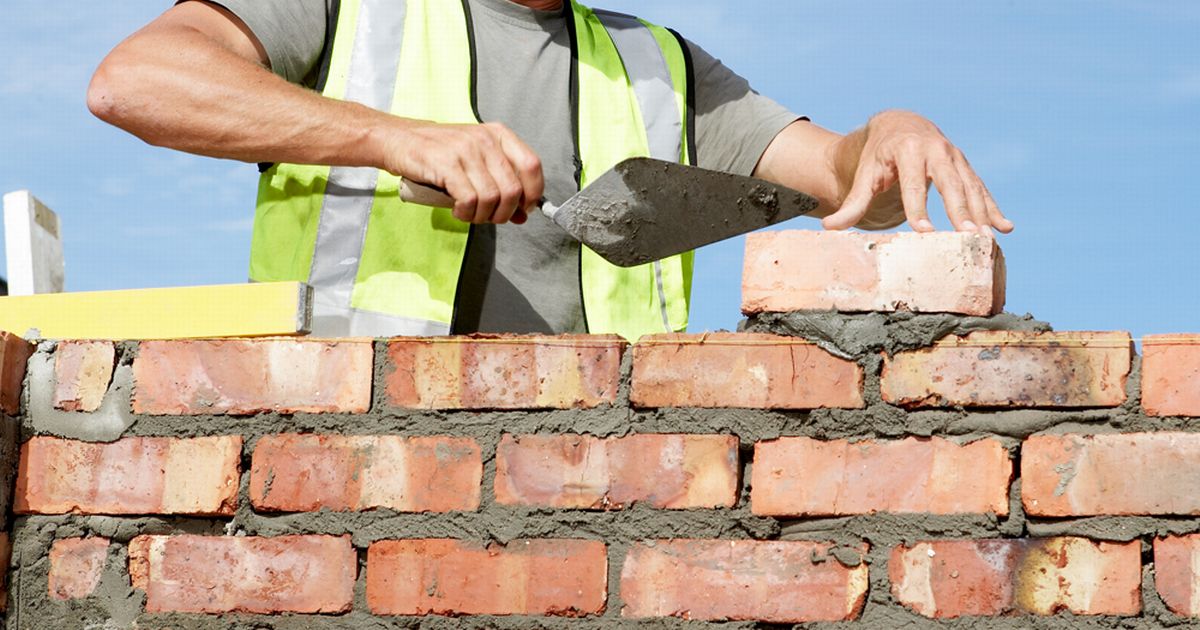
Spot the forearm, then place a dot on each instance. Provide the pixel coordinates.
(804, 156)
(824, 164)
(174, 86)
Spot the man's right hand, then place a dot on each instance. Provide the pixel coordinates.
(493, 176)
(196, 79)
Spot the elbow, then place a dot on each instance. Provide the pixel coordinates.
(101, 94)
(115, 91)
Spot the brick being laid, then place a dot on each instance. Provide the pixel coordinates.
(944, 272)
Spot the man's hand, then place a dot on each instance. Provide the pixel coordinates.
(493, 176)
(878, 176)
(901, 153)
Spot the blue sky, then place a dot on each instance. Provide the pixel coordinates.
(1082, 116)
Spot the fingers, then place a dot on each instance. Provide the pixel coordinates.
(954, 197)
(999, 221)
(525, 163)
(914, 194)
(870, 180)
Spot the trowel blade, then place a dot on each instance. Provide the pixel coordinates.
(645, 210)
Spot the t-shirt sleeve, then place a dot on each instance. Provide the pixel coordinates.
(291, 31)
(734, 124)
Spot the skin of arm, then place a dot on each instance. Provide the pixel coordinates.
(879, 175)
(196, 79)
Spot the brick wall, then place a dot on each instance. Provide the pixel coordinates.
(915, 460)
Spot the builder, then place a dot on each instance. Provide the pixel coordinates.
(399, 87)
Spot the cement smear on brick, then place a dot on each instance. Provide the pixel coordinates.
(106, 424)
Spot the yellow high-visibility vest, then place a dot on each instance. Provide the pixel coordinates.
(381, 267)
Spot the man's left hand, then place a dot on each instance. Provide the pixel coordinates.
(886, 168)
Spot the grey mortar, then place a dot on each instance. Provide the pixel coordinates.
(854, 336)
(860, 337)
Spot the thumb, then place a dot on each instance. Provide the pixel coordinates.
(869, 181)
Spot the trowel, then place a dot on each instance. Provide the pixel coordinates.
(645, 210)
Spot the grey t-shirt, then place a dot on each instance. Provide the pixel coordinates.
(525, 278)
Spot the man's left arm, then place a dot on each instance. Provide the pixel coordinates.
(879, 176)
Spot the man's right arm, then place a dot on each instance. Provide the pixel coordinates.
(196, 80)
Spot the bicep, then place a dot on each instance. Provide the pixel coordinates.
(218, 24)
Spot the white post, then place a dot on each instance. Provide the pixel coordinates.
(33, 245)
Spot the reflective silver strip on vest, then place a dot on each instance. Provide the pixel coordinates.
(350, 193)
(329, 321)
(654, 87)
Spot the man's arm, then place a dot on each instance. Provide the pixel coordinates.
(856, 176)
(196, 79)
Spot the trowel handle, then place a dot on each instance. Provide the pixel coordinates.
(425, 194)
(429, 195)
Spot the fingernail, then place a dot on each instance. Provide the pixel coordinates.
(924, 224)
(970, 226)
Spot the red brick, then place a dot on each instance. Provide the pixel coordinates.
(75, 566)
(224, 574)
(1121, 474)
(14, 357)
(241, 376)
(736, 580)
(580, 471)
(956, 578)
(752, 371)
(307, 473)
(1171, 375)
(1012, 369)
(504, 372)
(853, 272)
(197, 476)
(566, 578)
(806, 477)
(82, 372)
(1177, 573)
(5, 556)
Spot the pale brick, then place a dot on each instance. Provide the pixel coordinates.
(1171, 375)
(504, 372)
(956, 578)
(197, 476)
(566, 578)
(308, 473)
(82, 372)
(805, 477)
(754, 371)
(944, 272)
(580, 471)
(1012, 369)
(1121, 474)
(736, 580)
(228, 574)
(75, 566)
(245, 376)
